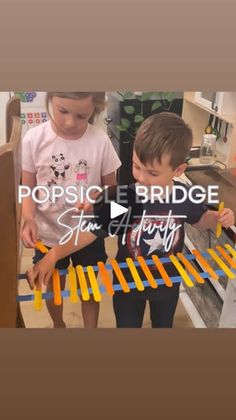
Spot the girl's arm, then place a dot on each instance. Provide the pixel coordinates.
(29, 229)
(41, 272)
(109, 179)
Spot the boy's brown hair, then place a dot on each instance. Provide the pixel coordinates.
(163, 133)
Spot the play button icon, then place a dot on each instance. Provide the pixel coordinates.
(116, 209)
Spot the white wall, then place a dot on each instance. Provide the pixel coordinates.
(37, 106)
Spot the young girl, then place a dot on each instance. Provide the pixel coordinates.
(66, 150)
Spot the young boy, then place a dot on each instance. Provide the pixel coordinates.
(161, 147)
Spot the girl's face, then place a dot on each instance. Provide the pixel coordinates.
(70, 116)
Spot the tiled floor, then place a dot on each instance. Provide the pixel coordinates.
(72, 312)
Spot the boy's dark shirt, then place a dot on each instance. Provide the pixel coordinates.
(152, 243)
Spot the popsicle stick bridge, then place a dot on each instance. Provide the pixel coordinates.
(82, 281)
(224, 257)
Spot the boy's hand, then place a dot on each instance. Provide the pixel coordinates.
(85, 206)
(29, 233)
(41, 272)
(226, 218)
(88, 205)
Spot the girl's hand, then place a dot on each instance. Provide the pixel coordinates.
(29, 233)
(226, 218)
(41, 272)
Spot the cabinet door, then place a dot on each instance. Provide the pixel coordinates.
(207, 99)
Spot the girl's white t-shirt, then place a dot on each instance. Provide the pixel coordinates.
(60, 162)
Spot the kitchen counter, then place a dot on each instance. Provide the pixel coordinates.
(224, 178)
(208, 298)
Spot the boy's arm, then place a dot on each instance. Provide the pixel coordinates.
(41, 272)
(210, 219)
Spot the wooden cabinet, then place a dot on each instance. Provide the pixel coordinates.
(197, 116)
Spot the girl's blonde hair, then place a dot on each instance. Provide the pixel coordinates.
(99, 101)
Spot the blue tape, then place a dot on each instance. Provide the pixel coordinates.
(124, 265)
(116, 287)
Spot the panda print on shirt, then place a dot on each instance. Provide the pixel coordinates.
(59, 166)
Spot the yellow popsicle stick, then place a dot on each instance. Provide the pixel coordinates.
(82, 282)
(94, 284)
(135, 274)
(205, 264)
(105, 278)
(190, 268)
(72, 280)
(231, 250)
(219, 226)
(221, 263)
(38, 303)
(41, 247)
(56, 287)
(162, 271)
(147, 272)
(181, 271)
(124, 285)
(226, 256)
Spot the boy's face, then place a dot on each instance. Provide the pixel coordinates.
(156, 173)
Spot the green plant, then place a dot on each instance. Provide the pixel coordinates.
(135, 112)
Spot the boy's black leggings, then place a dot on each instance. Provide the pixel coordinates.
(129, 310)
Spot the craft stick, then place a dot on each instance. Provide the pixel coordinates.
(124, 285)
(105, 278)
(38, 303)
(135, 274)
(205, 264)
(82, 282)
(231, 250)
(94, 284)
(226, 256)
(221, 263)
(219, 226)
(162, 271)
(41, 247)
(181, 271)
(56, 287)
(147, 272)
(190, 268)
(72, 280)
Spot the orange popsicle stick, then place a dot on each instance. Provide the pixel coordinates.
(205, 264)
(105, 278)
(190, 268)
(147, 272)
(226, 256)
(124, 285)
(56, 287)
(162, 271)
(41, 247)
